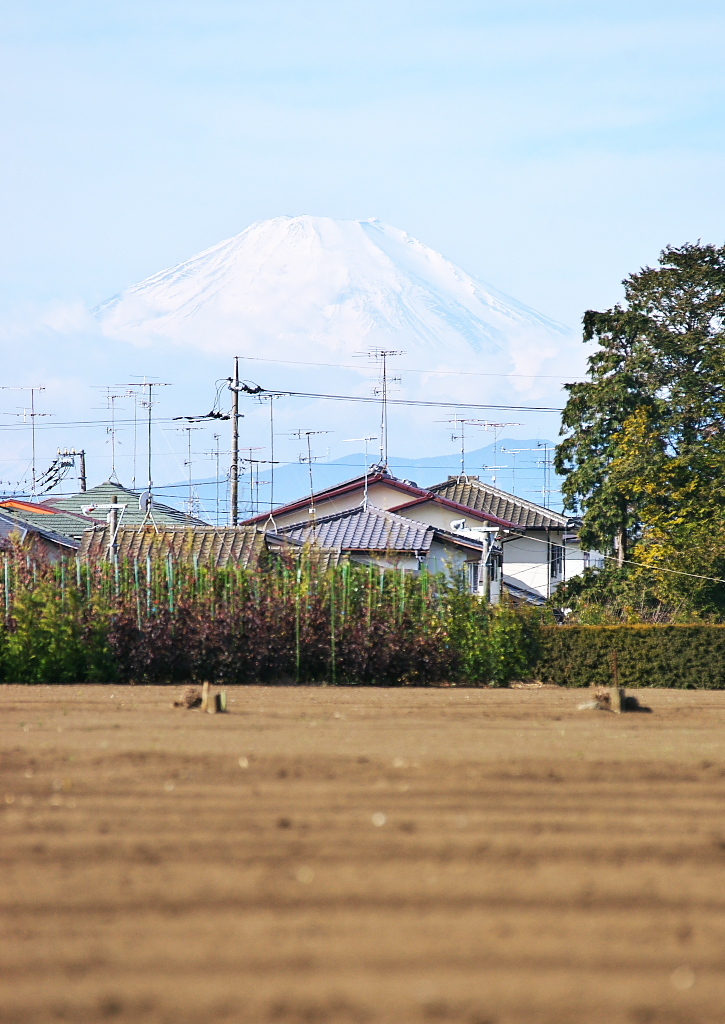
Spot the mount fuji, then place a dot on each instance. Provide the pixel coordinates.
(310, 287)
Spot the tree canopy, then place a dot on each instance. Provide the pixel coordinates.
(643, 456)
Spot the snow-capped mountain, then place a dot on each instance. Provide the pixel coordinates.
(311, 287)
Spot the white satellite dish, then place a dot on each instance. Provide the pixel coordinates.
(145, 501)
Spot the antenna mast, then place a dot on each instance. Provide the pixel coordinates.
(33, 416)
(496, 428)
(381, 356)
(149, 403)
(349, 440)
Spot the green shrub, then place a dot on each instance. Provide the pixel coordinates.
(682, 656)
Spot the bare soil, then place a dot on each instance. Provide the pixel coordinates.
(361, 855)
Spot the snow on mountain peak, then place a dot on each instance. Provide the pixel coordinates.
(304, 286)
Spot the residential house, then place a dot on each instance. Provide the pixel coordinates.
(375, 536)
(37, 540)
(384, 493)
(542, 550)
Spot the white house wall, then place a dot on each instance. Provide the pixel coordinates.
(527, 559)
(380, 495)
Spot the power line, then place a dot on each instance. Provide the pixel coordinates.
(409, 369)
(415, 402)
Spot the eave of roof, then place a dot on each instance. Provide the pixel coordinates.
(27, 506)
(22, 525)
(457, 507)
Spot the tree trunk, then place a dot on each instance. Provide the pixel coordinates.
(621, 544)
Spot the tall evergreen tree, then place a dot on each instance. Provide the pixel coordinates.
(647, 429)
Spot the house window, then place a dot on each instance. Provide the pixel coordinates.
(556, 561)
(474, 576)
(494, 565)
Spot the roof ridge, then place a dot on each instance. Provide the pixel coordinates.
(347, 513)
(481, 485)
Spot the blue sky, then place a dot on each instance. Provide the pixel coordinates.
(549, 148)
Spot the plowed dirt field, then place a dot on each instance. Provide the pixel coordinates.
(361, 855)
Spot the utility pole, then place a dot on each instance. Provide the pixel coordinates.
(234, 470)
(71, 453)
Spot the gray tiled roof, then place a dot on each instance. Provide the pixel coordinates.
(363, 529)
(208, 545)
(163, 515)
(527, 515)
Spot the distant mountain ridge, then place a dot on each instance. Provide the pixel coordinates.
(292, 480)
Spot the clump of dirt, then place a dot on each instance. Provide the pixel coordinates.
(602, 701)
(190, 697)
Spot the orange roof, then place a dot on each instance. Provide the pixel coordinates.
(28, 506)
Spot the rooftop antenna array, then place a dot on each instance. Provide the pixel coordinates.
(309, 458)
(381, 356)
(252, 462)
(33, 416)
(350, 440)
(192, 501)
(270, 398)
(547, 463)
(459, 434)
(216, 453)
(496, 428)
(147, 402)
(111, 399)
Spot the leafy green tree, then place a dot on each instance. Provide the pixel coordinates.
(643, 455)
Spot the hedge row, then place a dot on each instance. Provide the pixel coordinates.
(297, 622)
(684, 657)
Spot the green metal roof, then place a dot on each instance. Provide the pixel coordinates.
(161, 515)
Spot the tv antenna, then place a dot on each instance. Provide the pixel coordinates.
(216, 453)
(270, 398)
(350, 440)
(547, 463)
(33, 415)
(192, 501)
(111, 399)
(515, 452)
(147, 402)
(496, 428)
(381, 356)
(459, 434)
(309, 458)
